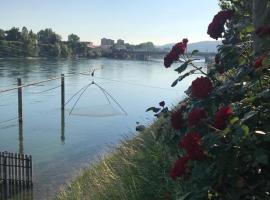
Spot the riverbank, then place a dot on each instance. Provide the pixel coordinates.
(137, 169)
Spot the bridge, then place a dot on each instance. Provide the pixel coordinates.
(147, 55)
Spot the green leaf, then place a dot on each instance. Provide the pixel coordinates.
(185, 196)
(183, 76)
(183, 67)
(249, 115)
(267, 138)
(245, 130)
(234, 120)
(265, 62)
(261, 157)
(264, 94)
(154, 109)
(194, 52)
(249, 28)
(174, 83)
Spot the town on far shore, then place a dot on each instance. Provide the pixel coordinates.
(46, 43)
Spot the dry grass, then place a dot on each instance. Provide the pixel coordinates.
(136, 170)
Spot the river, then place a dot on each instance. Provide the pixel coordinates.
(60, 149)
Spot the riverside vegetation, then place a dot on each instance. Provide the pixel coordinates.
(215, 143)
(46, 43)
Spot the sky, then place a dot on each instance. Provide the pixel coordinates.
(135, 21)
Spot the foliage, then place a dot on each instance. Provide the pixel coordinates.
(46, 43)
(222, 133)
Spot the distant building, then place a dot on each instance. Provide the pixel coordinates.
(107, 42)
(120, 42)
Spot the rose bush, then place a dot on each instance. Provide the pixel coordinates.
(222, 133)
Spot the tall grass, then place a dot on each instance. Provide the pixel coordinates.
(136, 170)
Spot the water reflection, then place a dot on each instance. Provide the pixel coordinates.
(63, 126)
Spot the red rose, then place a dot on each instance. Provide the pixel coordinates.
(179, 48)
(185, 41)
(174, 54)
(192, 144)
(263, 31)
(258, 61)
(221, 117)
(162, 103)
(196, 116)
(201, 87)
(216, 27)
(177, 119)
(179, 168)
(170, 58)
(183, 106)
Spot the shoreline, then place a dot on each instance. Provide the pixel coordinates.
(133, 170)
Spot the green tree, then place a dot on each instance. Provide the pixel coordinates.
(147, 46)
(13, 34)
(2, 34)
(47, 36)
(74, 44)
(49, 43)
(65, 51)
(24, 34)
(72, 38)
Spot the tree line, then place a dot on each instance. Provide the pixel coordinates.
(46, 43)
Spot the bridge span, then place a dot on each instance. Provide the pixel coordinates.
(148, 55)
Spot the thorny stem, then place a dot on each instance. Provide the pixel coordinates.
(198, 69)
(260, 83)
(212, 127)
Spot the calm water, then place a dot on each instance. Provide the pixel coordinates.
(60, 149)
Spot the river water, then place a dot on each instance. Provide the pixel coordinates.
(62, 145)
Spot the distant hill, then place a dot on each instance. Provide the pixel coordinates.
(203, 46)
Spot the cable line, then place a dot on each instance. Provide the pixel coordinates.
(137, 84)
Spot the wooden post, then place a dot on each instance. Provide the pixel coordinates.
(27, 171)
(63, 126)
(20, 114)
(5, 174)
(1, 170)
(31, 170)
(16, 170)
(62, 91)
(23, 171)
(21, 149)
(20, 172)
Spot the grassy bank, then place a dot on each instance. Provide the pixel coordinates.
(136, 170)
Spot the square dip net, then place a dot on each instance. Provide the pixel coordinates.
(92, 100)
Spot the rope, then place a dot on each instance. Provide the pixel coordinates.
(35, 83)
(76, 94)
(79, 98)
(46, 90)
(9, 120)
(113, 99)
(137, 84)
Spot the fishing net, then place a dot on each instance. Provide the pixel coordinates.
(94, 101)
(97, 111)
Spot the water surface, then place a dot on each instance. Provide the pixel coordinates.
(60, 148)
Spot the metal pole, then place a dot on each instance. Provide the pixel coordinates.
(62, 91)
(20, 114)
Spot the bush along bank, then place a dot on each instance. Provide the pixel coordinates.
(222, 128)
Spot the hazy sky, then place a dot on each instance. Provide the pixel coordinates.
(135, 21)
